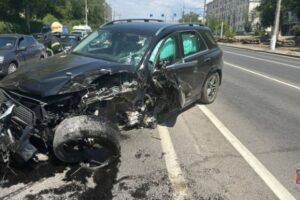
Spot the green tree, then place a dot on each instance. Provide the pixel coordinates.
(96, 15)
(190, 18)
(24, 13)
(214, 24)
(267, 10)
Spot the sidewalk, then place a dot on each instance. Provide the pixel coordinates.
(291, 51)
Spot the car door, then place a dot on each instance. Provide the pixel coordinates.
(34, 53)
(195, 50)
(22, 55)
(167, 59)
(214, 53)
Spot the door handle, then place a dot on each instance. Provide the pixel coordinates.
(207, 60)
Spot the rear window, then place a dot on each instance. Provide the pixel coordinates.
(192, 43)
(209, 39)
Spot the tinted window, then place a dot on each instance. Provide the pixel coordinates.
(7, 42)
(31, 41)
(22, 43)
(209, 39)
(169, 51)
(192, 43)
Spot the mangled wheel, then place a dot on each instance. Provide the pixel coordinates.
(210, 88)
(87, 139)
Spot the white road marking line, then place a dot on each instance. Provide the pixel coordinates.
(262, 75)
(270, 61)
(277, 55)
(278, 189)
(174, 171)
(266, 53)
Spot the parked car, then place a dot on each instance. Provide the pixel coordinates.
(128, 74)
(69, 40)
(83, 30)
(81, 34)
(17, 50)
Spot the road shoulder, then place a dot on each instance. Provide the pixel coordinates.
(258, 49)
(213, 168)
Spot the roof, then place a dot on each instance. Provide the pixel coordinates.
(147, 28)
(152, 27)
(12, 35)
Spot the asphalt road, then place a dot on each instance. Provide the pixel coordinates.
(188, 157)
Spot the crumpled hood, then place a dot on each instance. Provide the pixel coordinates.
(49, 76)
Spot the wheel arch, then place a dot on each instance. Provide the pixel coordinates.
(14, 61)
(211, 71)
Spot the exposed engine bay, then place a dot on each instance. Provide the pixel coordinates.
(118, 98)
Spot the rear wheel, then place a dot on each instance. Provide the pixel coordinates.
(12, 67)
(210, 88)
(87, 139)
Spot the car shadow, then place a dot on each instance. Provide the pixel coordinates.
(169, 120)
(74, 182)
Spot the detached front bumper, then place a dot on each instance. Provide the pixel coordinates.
(16, 126)
(3, 68)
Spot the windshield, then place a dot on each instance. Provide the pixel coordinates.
(7, 42)
(125, 48)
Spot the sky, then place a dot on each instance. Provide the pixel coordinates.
(143, 8)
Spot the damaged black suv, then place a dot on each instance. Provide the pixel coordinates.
(128, 74)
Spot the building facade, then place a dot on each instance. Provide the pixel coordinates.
(235, 12)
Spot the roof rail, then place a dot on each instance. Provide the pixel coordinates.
(172, 25)
(196, 25)
(131, 20)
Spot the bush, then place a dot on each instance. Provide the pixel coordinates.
(296, 30)
(230, 34)
(6, 27)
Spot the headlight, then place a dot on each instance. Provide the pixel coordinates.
(1, 59)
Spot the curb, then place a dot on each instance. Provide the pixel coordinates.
(265, 51)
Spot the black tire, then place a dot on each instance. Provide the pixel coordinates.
(72, 141)
(210, 88)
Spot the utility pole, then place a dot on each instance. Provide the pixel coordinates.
(276, 26)
(222, 28)
(86, 13)
(204, 12)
